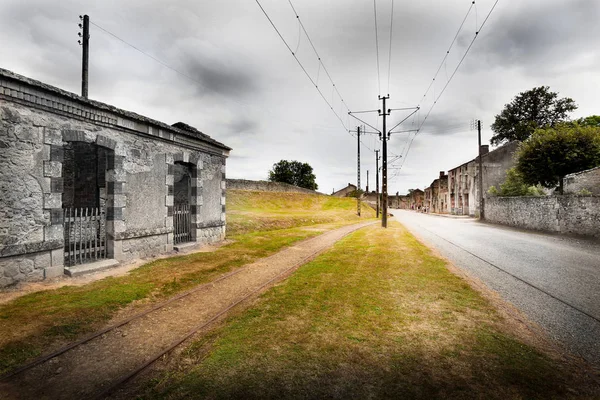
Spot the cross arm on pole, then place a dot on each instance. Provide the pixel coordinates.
(407, 117)
(366, 123)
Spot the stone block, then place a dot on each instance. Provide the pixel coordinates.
(169, 180)
(169, 221)
(57, 185)
(169, 159)
(57, 153)
(73, 136)
(52, 136)
(57, 257)
(119, 200)
(52, 169)
(106, 142)
(56, 216)
(178, 157)
(42, 260)
(114, 161)
(114, 213)
(115, 249)
(169, 201)
(52, 200)
(54, 272)
(53, 232)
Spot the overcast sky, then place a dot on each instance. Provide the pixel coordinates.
(238, 82)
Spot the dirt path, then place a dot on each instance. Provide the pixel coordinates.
(86, 370)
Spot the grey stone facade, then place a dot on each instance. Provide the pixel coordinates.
(578, 215)
(463, 181)
(130, 161)
(588, 180)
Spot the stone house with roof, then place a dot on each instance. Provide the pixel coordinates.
(86, 185)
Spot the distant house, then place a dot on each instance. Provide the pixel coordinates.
(345, 191)
(584, 181)
(436, 195)
(463, 181)
(415, 199)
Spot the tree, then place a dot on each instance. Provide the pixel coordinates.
(515, 185)
(592, 120)
(552, 153)
(530, 110)
(294, 173)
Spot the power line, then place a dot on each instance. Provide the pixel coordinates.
(318, 56)
(447, 52)
(164, 64)
(390, 54)
(302, 66)
(377, 48)
(451, 76)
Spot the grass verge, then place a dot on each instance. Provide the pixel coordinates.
(31, 324)
(379, 316)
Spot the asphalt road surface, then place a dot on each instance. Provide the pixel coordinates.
(554, 280)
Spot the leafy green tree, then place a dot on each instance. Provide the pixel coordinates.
(592, 120)
(294, 173)
(515, 185)
(551, 153)
(530, 110)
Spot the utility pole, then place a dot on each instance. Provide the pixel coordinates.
(377, 178)
(367, 188)
(481, 200)
(358, 171)
(85, 42)
(384, 197)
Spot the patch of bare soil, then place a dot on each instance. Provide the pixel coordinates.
(88, 369)
(24, 288)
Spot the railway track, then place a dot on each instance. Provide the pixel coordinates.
(115, 384)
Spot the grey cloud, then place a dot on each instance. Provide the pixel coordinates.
(542, 37)
(242, 125)
(219, 76)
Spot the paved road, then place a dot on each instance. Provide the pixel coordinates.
(554, 280)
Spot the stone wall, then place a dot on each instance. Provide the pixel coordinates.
(585, 180)
(578, 215)
(266, 186)
(129, 161)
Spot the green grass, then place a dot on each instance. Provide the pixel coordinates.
(33, 323)
(250, 211)
(379, 316)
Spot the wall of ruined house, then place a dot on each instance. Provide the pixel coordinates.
(577, 215)
(588, 180)
(139, 213)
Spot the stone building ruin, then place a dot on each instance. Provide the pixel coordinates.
(84, 185)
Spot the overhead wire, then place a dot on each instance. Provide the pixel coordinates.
(390, 52)
(300, 64)
(377, 48)
(451, 77)
(183, 74)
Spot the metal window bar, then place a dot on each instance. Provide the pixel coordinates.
(85, 235)
(182, 223)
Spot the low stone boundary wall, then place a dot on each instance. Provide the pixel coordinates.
(579, 215)
(266, 186)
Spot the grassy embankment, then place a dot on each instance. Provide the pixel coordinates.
(259, 224)
(378, 316)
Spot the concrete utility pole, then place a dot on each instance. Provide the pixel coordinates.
(384, 197)
(367, 188)
(85, 42)
(377, 179)
(481, 200)
(358, 172)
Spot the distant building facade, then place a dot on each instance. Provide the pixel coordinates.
(345, 191)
